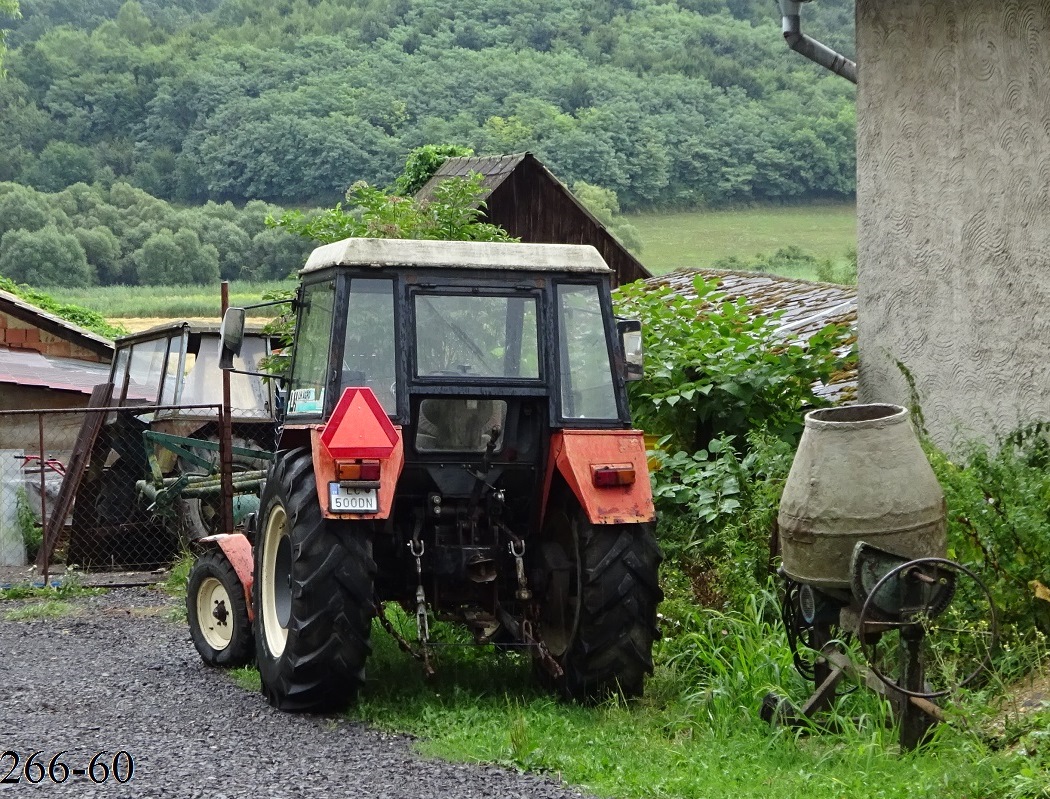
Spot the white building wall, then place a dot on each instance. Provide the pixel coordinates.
(953, 153)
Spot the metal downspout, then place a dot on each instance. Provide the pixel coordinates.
(811, 48)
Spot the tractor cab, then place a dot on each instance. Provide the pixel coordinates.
(457, 429)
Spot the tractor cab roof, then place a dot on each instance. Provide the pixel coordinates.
(457, 255)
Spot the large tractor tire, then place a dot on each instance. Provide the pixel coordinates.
(599, 611)
(312, 594)
(218, 612)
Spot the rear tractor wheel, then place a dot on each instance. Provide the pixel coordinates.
(218, 612)
(312, 594)
(599, 612)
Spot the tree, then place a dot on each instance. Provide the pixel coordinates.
(422, 163)
(168, 259)
(606, 209)
(451, 214)
(62, 164)
(45, 257)
(9, 9)
(22, 209)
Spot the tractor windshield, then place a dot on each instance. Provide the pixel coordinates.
(476, 336)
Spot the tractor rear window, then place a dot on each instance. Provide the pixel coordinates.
(460, 425)
(476, 336)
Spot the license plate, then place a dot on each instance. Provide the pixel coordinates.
(352, 500)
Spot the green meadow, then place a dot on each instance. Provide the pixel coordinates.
(699, 239)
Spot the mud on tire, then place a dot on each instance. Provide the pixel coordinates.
(312, 594)
(599, 613)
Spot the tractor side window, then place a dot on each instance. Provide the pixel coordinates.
(313, 339)
(171, 374)
(369, 350)
(587, 390)
(145, 371)
(476, 336)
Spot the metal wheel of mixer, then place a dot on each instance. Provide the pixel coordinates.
(918, 644)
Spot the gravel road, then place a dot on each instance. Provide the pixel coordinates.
(118, 675)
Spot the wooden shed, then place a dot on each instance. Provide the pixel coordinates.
(45, 363)
(527, 201)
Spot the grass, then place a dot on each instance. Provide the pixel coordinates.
(69, 587)
(695, 734)
(172, 302)
(49, 609)
(697, 239)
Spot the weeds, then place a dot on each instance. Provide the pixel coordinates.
(175, 585)
(32, 534)
(70, 586)
(50, 609)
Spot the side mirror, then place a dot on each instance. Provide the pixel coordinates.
(630, 331)
(231, 336)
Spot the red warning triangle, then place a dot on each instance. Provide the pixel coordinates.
(359, 427)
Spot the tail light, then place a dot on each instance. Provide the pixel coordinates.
(606, 476)
(356, 470)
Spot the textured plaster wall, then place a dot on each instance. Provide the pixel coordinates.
(953, 153)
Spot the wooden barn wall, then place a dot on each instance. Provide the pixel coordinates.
(538, 212)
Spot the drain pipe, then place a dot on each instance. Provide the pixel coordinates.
(811, 48)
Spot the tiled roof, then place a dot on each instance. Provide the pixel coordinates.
(494, 169)
(807, 307)
(56, 325)
(28, 368)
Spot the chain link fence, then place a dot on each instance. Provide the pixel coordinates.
(126, 501)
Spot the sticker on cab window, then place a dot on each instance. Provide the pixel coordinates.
(305, 400)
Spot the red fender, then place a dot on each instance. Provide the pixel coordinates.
(577, 453)
(238, 552)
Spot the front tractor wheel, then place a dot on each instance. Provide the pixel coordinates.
(312, 594)
(599, 611)
(218, 612)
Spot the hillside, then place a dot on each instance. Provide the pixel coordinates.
(695, 103)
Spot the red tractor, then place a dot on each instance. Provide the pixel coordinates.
(456, 440)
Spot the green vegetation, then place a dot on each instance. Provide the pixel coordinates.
(701, 239)
(32, 533)
(84, 317)
(70, 586)
(697, 733)
(450, 214)
(49, 609)
(120, 235)
(172, 302)
(692, 103)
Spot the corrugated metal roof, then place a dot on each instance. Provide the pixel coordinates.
(807, 306)
(27, 312)
(29, 368)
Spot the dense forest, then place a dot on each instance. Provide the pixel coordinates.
(670, 104)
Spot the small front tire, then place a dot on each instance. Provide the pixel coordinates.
(218, 612)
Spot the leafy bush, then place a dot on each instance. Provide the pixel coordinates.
(452, 213)
(90, 320)
(717, 512)
(998, 518)
(719, 368)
